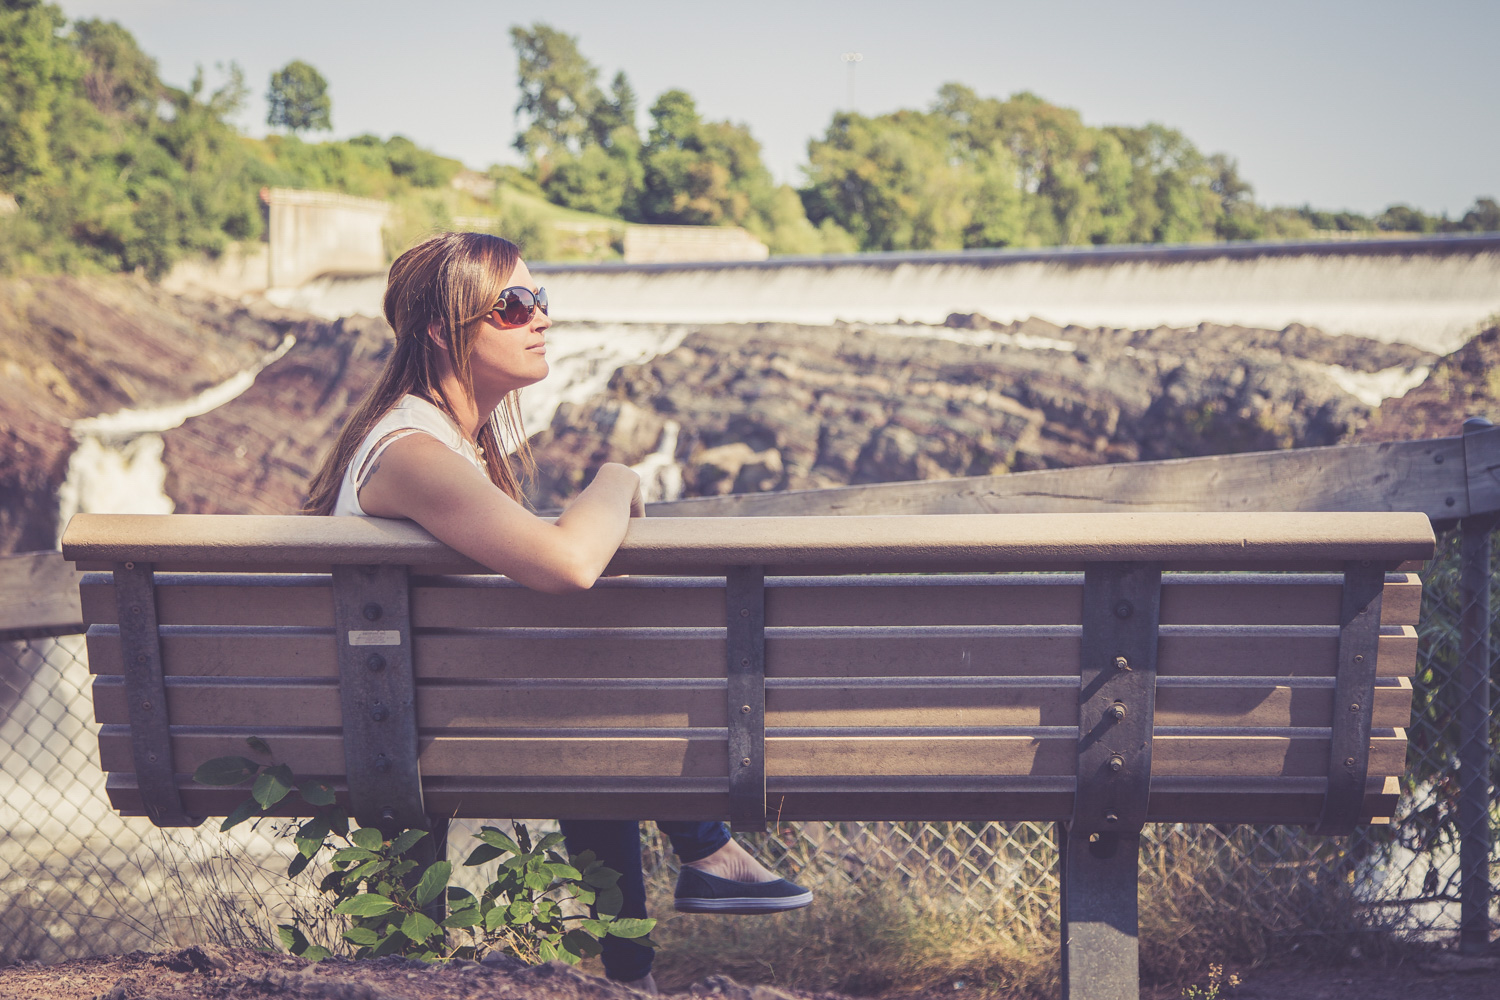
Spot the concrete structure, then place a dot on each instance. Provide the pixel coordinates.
(313, 233)
(1432, 291)
(242, 269)
(674, 244)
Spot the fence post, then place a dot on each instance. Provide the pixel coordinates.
(1474, 725)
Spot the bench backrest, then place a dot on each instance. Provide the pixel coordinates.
(960, 667)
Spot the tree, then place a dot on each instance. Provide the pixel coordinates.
(1405, 219)
(298, 99)
(1484, 217)
(559, 92)
(121, 80)
(889, 182)
(39, 80)
(701, 173)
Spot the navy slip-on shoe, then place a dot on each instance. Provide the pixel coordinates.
(699, 892)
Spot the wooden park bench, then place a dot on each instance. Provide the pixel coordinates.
(1099, 670)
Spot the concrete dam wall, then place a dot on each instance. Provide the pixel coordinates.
(1431, 292)
(1428, 292)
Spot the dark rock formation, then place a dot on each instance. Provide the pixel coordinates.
(760, 407)
(257, 453)
(774, 406)
(1464, 384)
(80, 347)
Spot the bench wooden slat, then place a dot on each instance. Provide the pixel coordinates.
(1225, 801)
(1259, 601)
(1401, 599)
(251, 653)
(877, 544)
(1033, 603)
(578, 704)
(703, 755)
(184, 603)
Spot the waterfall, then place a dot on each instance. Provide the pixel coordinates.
(117, 468)
(583, 356)
(1431, 292)
(660, 472)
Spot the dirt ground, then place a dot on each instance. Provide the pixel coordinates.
(206, 973)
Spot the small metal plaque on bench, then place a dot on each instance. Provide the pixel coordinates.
(390, 637)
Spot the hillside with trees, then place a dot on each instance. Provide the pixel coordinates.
(106, 167)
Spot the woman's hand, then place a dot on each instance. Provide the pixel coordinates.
(420, 478)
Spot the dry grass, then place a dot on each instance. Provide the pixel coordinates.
(173, 888)
(854, 940)
(1231, 897)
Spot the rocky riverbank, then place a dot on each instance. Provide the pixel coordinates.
(753, 407)
(774, 406)
(78, 347)
(1463, 384)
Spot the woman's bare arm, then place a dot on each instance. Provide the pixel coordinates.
(420, 478)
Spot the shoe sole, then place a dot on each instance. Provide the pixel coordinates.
(744, 904)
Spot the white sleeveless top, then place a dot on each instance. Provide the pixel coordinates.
(410, 415)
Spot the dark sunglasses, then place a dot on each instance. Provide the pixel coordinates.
(518, 305)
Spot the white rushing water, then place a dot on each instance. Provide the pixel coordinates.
(581, 357)
(660, 472)
(117, 466)
(1432, 294)
(1432, 301)
(584, 354)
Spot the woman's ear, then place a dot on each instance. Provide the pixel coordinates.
(436, 335)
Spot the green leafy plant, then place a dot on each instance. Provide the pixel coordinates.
(1217, 984)
(539, 907)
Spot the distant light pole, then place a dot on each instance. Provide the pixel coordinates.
(852, 58)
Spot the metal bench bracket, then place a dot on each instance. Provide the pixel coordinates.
(146, 695)
(1354, 694)
(1100, 848)
(745, 691)
(1117, 696)
(377, 691)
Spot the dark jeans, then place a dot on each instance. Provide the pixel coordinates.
(617, 843)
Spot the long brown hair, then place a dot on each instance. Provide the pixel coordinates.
(452, 280)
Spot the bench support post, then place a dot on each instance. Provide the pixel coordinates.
(1100, 914)
(1475, 663)
(1353, 698)
(377, 692)
(745, 690)
(1099, 849)
(146, 695)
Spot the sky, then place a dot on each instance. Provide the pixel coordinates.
(1355, 104)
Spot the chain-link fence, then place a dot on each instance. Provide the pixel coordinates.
(76, 879)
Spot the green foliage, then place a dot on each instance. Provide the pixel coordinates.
(110, 167)
(298, 99)
(981, 172)
(888, 181)
(1483, 217)
(559, 91)
(390, 888)
(701, 173)
(365, 165)
(586, 153)
(582, 143)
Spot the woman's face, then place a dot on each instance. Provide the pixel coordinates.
(509, 358)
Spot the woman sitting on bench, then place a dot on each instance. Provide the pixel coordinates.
(426, 444)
